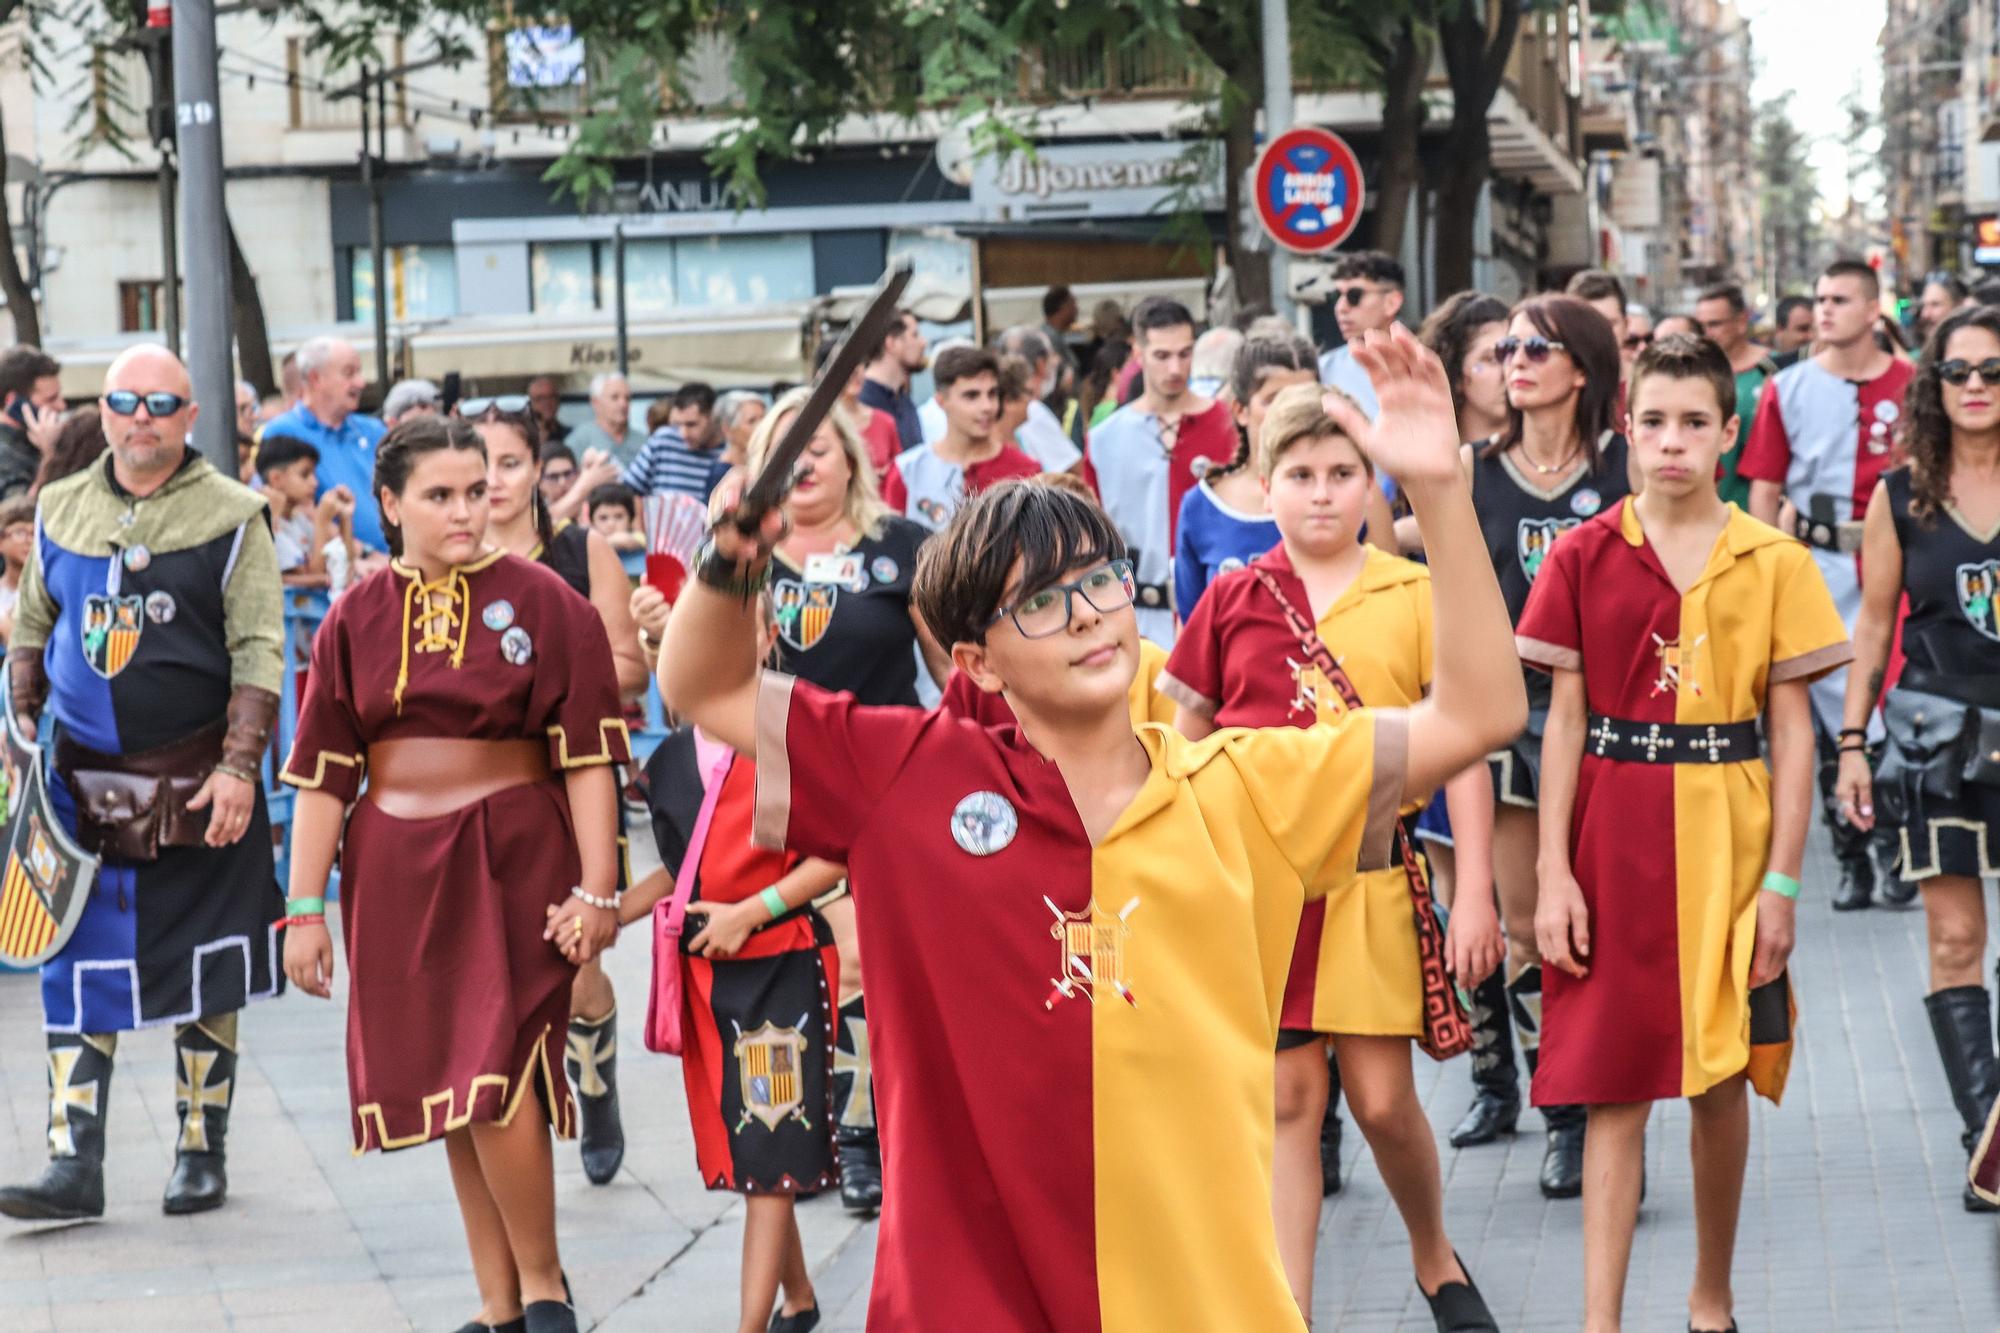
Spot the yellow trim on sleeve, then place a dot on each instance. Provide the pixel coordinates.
(606, 728)
(324, 757)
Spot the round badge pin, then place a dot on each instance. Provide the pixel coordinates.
(516, 646)
(884, 569)
(498, 615)
(1585, 502)
(1229, 566)
(1887, 410)
(137, 558)
(160, 607)
(984, 823)
(1200, 466)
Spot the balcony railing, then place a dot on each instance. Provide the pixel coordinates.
(313, 107)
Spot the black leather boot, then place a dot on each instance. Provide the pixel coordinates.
(855, 1146)
(1330, 1130)
(1962, 1024)
(204, 1087)
(72, 1185)
(591, 1060)
(1496, 1079)
(1896, 891)
(1857, 884)
(1562, 1159)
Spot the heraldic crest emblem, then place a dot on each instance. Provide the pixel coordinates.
(1093, 953)
(1978, 584)
(111, 629)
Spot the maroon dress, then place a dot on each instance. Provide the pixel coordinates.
(459, 1005)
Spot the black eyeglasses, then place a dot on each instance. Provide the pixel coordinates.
(1109, 587)
(474, 408)
(1634, 341)
(1958, 371)
(1355, 295)
(124, 402)
(1536, 348)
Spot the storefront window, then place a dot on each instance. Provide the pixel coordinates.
(562, 276)
(423, 282)
(745, 270)
(649, 277)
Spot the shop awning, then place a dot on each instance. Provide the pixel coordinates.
(751, 348)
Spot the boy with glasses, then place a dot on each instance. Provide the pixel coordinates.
(1081, 932)
(1367, 297)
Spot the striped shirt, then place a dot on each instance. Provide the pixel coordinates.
(667, 466)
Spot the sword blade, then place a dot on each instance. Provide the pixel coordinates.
(770, 486)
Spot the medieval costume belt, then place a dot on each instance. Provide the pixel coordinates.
(1842, 537)
(1671, 742)
(1981, 690)
(128, 806)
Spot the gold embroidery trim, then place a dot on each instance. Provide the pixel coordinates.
(538, 1064)
(606, 728)
(320, 761)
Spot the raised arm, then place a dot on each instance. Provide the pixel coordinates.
(708, 663)
(1477, 701)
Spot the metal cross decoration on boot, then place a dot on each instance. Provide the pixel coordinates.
(72, 1185)
(204, 1087)
(856, 1147)
(591, 1060)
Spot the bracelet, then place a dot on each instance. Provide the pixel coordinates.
(1782, 885)
(711, 569)
(773, 902)
(302, 919)
(235, 772)
(608, 904)
(305, 907)
(1845, 732)
(1852, 749)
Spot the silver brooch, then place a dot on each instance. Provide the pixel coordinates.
(516, 646)
(498, 615)
(984, 823)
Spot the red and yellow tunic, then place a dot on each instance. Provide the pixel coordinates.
(1072, 1043)
(1670, 856)
(1356, 969)
(458, 1004)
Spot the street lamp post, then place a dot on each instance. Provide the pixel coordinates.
(205, 231)
(1277, 37)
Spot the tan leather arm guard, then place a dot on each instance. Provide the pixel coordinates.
(252, 712)
(28, 681)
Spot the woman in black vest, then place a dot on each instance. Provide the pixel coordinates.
(1932, 533)
(1559, 461)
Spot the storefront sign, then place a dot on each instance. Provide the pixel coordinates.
(1098, 180)
(1308, 191)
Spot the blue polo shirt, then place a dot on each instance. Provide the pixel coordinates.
(346, 458)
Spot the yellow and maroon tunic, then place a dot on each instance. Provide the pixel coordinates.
(1670, 855)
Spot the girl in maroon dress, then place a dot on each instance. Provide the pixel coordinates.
(462, 680)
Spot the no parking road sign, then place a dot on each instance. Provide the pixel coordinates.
(1308, 190)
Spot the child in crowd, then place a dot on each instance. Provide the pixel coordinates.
(304, 527)
(614, 512)
(1080, 932)
(757, 975)
(17, 545)
(1321, 624)
(1669, 853)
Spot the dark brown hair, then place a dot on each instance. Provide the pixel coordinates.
(21, 365)
(1369, 266)
(523, 423)
(1725, 291)
(965, 572)
(1255, 359)
(78, 444)
(1683, 358)
(1451, 329)
(1594, 284)
(1871, 281)
(1926, 430)
(407, 441)
(962, 363)
(1587, 341)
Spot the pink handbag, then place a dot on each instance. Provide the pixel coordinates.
(663, 1007)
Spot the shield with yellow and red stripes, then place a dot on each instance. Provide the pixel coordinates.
(46, 881)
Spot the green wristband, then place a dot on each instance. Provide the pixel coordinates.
(773, 903)
(1782, 885)
(305, 907)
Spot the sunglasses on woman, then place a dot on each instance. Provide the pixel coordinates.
(1958, 370)
(1536, 348)
(1634, 341)
(124, 402)
(474, 408)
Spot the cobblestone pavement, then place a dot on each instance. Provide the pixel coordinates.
(1851, 1218)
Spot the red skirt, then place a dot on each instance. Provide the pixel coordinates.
(458, 1004)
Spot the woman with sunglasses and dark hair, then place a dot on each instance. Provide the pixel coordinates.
(478, 870)
(1932, 534)
(1559, 461)
(518, 522)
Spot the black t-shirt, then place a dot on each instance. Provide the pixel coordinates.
(844, 620)
(1953, 580)
(1521, 520)
(568, 554)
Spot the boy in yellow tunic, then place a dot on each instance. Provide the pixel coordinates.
(1669, 853)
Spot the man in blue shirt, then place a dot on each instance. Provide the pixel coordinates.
(331, 384)
(885, 383)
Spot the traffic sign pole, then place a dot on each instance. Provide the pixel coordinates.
(1277, 119)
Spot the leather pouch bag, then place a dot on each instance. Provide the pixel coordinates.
(1925, 753)
(130, 816)
(1982, 764)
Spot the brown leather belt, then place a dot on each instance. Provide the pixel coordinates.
(432, 777)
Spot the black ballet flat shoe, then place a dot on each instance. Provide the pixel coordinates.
(1730, 1329)
(511, 1326)
(549, 1317)
(801, 1322)
(1457, 1307)
(1490, 1116)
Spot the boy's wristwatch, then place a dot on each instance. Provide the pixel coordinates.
(725, 575)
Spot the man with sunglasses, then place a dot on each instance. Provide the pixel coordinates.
(328, 417)
(149, 622)
(1367, 297)
(1825, 433)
